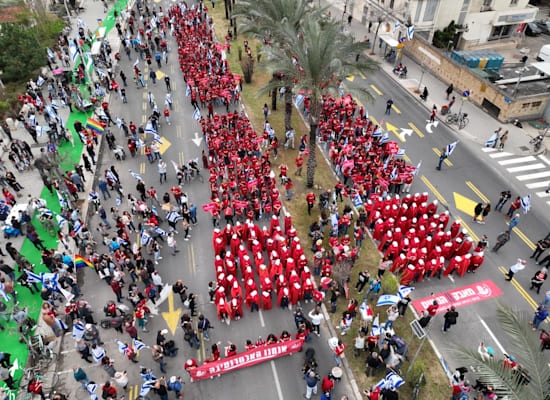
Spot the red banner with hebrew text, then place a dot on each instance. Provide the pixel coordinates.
(246, 359)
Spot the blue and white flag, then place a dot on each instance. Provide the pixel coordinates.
(144, 238)
(158, 139)
(375, 331)
(139, 345)
(61, 124)
(377, 132)
(450, 148)
(39, 102)
(40, 81)
(77, 227)
(4, 294)
(393, 174)
(50, 280)
(197, 115)
(118, 202)
(173, 216)
(91, 388)
(146, 388)
(357, 201)
(93, 196)
(386, 163)
(415, 172)
(341, 88)
(98, 353)
(150, 129)
(137, 62)
(154, 210)
(40, 130)
(32, 277)
(140, 143)
(391, 382)
(119, 122)
(188, 91)
(88, 60)
(55, 106)
(404, 291)
(137, 176)
(385, 138)
(62, 202)
(102, 74)
(122, 347)
(73, 50)
(60, 221)
(396, 26)
(410, 32)
(78, 331)
(51, 54)
(387, 299)
(81, 23)
(111, 176)
(526, 203)
(299, 99)
(51, 112)
(492, 140)
(32, 120)
(400, 152)
(160, 231)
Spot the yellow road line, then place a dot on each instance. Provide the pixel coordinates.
(438, 152)
(144, 106)
(143, 118)
(434, 190)
(144, 96)
(193, 258)
(406, 158)
(522, 291)
(142, 168)
(181, 158)
(375, 122)
(173, 84)
(359, 103)
(376, 90)
(178, 131)
(417, 131)
(477, 191)
(172, 68)
(470, 231)
(176, 106)
(362, 75)
(527, 241)
(189, 262)
(395, 109)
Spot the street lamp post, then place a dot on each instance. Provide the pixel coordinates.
(516, 88)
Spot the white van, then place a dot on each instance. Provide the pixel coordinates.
(544, 53)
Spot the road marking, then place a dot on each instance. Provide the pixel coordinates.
(525, 168)
(176, 106)
(499, 155)
(193, 259)
(451, 278)
(143, 118)
(362, 75)
(142, 167)
(523, 237)
(406, 158)
(537, 185)
(178, 131)
(533, 176)
(543, 158)
(438, 152)
(376, 90)
(391, 128)
(517, 160)
(164, 146)
(375, 122)
(464, 204)
(522, 291)
(492, 335)
(488, 149)
(276, 379)
(173, 84)
(181, 158)
(350, 78)
(395, 109)
(434, 190)
(414, 128)
(477, 191)
(262, 323)
(144, 96)
(470, 231)
(172, 68)
(172, 316)
(543, 194)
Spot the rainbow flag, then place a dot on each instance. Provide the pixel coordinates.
(81, 262)
(93, 124)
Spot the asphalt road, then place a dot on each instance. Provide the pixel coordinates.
(477, 177)
(278, 379)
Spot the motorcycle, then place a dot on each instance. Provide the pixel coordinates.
(537, 142)
(119, 152)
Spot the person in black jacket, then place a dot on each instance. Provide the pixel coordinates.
(373, 363)
(450, 319)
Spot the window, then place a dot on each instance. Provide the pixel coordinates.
(365, 10)
(391, 4)
(525, 105)
(419, 5)
(536, 104)
(429, 13)
(500, 32)
(487, 3)
(513, 2)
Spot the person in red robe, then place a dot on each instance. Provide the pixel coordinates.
(266, 300)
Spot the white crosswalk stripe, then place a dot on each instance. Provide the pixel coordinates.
(532, 171)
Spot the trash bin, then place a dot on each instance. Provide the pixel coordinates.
(444, 110)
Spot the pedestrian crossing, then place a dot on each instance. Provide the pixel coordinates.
(532, 171)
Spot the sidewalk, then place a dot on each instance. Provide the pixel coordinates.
(481, 125)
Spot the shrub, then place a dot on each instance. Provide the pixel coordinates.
(414, 375)
(389, 284)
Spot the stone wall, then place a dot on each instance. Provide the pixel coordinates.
(482, 92)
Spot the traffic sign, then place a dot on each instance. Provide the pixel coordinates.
(466, 93)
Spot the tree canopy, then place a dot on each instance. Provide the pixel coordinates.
(21, 52)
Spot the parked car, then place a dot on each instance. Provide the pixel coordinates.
(531, 29)
(544, 26)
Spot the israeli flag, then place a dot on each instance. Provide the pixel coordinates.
(175, 165)
(144, 238)
(386, 163)
(385, 138)
(102, 74)
(137, 176)
(410, 32)
(98, 353)
(38, 101)
(77, 227)
(51, 112)
(140, 144)
(81, 23)
(395, 27)
(148, 375)
(78, 331)
(146, 387)
(492, 140)
(62, 202)
(60, 221)
(400, 152)
(111, 176)
(73, 51)
(153, 23)
(32, 277)
(119, 122)
(91, 388)
(55, 106)
(450, 148)
(122, 347)
(118, 202)
(387, 299)
(188, 91)
(393, 381)
(526, 203)
(417, 167)
(157, 138)
(137, 62)
(139, 345)
(51, 279)
(32, 120)
(40, 81)
(357, 201)
(160, 231)
(89, 60)
(377, 132)
(299, 99)
(393, 174)
(4, 294)
(51, 54)
(375, 331)
(149, 128)
(404, 291)
(173, 216)
(61, 124)
(196, 114)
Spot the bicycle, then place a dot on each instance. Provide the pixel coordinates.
(458, 118)
(48, 225)
(416, 390)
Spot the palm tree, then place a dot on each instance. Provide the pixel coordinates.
(525, 346)
(316, 59)
(272, 18)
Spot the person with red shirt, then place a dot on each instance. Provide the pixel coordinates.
(310, 199)
(338, 351)
(299, 165)
(288, 186)
(167, 116)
